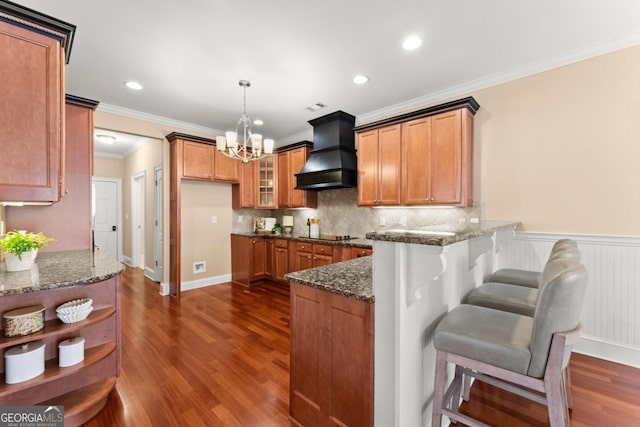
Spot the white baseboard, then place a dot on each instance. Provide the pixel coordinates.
(207, 281)
(149, 273)
(127, 260)
(611, 351)
(164, 289)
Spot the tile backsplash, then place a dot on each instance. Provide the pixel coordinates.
(339, 213)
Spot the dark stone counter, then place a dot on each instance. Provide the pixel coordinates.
(59, 269)
(351, 278)
(356, 243)
(441, 235)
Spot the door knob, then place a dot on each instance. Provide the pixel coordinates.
(114, 227)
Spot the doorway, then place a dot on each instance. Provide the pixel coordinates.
(138, 214)
(107, 215)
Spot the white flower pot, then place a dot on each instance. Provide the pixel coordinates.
(16, 264)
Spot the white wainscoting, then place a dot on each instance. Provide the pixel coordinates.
(611, 313)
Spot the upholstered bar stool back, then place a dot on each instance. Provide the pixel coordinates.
(531, 354)
(563, 248)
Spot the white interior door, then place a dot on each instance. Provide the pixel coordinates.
(138, 185)
(106, 202)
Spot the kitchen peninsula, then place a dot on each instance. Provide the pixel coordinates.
(412, 280)
(55, 278)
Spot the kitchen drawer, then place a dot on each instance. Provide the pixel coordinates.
(322, 249)
(303, 247)
(282, 243)
(360, 252)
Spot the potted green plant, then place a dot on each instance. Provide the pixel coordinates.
(21, 248)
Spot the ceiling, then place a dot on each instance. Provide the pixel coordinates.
(117, 144)
(189, 55)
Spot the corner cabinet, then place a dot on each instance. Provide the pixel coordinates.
(32, 61)
(331, 369)
(290, 161)
(420, 158)
(82, 388)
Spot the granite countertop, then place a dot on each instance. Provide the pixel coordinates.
(357, 243)
(442, 235)
(59, 269)
(351, 278)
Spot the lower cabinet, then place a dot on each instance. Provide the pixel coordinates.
(353, 252)
(309, 255)
(248, 259)
(280, 260)
(331, 371)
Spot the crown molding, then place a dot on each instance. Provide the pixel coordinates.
(121, 111)
(503, 77)
(306, 135)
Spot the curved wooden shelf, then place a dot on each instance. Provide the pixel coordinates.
(53, 372)
(83, 404)
(55, 327)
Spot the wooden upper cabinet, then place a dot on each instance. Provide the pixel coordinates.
(32, 111)
(438, 160)
(225, 168)
(290, 162)
(266, 182)
(379, 166)
(416, 152)
(432, 165)
(197, 160)
(201, 160)
(243, 195)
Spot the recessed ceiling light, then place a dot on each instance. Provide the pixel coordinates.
(258, 122)
(411, 43)
(360, 79)
(106, 139)
(133, 85)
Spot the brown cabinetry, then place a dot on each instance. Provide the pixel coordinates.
(69, 220)
(437, 154)
(248, 259)
(266, 182)
(379, 156)
(280, 260)
(331, 381)
(291, 162)
(420, 158)
(309, 255)
(201, 160)
(352, 253)
(243, 195)
(81, 388)
(32, 61)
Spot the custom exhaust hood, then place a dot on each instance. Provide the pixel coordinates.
(332, 163)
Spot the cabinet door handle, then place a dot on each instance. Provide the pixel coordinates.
(309, 257)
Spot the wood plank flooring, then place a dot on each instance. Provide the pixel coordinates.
(219, 356)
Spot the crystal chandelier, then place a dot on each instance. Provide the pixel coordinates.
(243, 144)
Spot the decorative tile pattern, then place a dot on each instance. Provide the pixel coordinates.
(339, 214)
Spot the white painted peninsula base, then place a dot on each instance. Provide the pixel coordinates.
(415, 285)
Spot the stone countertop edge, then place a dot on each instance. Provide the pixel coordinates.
(460, 232)
(59, 269)
(356, 243)
(352, 278)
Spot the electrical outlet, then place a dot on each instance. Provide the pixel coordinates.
(383, 221)
(214, 219)
(240, 218)
(474, 220)
(199, 267)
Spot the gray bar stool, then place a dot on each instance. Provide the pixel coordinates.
(528, 278)
(516, 298)
(524, 355)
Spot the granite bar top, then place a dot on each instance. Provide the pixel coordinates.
(351, 278)
(59, 269)
(356, 243)
(442, 235)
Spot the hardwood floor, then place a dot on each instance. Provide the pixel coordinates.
(219, 356)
